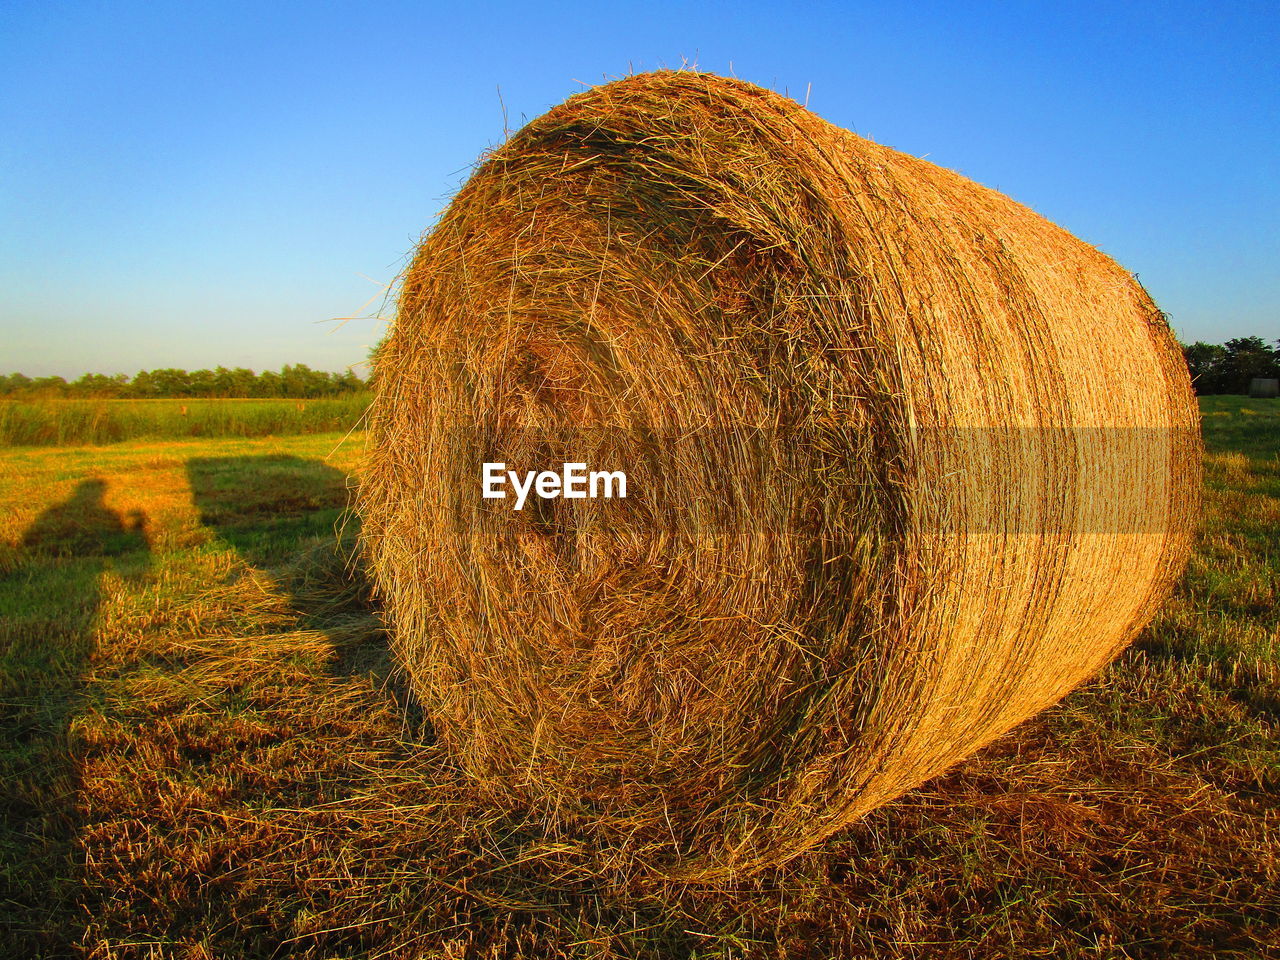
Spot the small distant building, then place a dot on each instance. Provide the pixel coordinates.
(1264, 388)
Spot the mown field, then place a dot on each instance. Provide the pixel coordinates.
(205, 753)
(92, 422)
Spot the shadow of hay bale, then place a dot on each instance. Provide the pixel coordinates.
(287, 517)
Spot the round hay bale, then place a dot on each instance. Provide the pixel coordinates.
(906, 463)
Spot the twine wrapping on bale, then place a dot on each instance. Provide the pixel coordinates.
(907, 463)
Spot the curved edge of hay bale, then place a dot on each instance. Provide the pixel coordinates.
(975, 498)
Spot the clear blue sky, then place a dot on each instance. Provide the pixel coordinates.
(188, 184)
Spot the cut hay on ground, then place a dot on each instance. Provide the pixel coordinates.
(906, 462)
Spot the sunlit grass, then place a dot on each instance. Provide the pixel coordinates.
(76, 422)
(206, 754)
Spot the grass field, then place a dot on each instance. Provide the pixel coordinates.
(205, 754)
(62, 422)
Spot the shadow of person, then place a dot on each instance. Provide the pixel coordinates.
(286, 516)
(49, 603)
(84, 526)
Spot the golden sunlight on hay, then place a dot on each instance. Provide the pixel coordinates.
(906, 462)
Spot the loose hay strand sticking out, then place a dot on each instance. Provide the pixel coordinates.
(908, 463)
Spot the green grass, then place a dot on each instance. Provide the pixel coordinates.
(1242, 425)
(206, 754)
(79, 422)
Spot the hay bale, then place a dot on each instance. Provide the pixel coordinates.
(1264, 388)
(907, 463)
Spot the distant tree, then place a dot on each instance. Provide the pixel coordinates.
(294, 381)
(144, 385)
(170, 382)
(242, 381)
(269, 384)
(99, 385)
(201, 383)
(348, 382)
(300, 380)
(1205, 362)
(15, 383)
(1229, 368)
(1248, 357)
(223, 382)
(49, 386)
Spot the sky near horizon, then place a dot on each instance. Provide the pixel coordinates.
(195, 184)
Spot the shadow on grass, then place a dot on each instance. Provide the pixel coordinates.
(287, 517)
(259, 802)
(265, 506)
(49, 605)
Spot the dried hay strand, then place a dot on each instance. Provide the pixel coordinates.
(907, 464)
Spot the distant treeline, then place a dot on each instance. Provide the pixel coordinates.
(297, 381)
(1215, 369)
(1228, 367)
